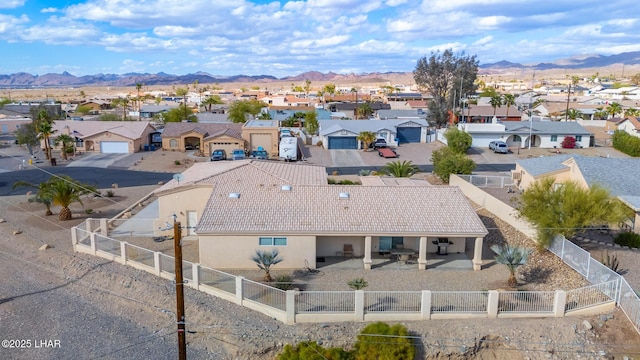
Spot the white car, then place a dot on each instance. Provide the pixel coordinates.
(499, 147)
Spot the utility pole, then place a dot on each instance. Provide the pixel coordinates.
(182, 341)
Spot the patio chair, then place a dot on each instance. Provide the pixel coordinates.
(347, 250)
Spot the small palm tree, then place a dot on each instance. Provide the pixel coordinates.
(508, 100)
(513, 257)
(265, 260)
(42, 194)
(64, 191)
(44, 129)
(574, 114)
(400, 168)
(496, 102)
(64, 140)
(367, 137)
(613, 109)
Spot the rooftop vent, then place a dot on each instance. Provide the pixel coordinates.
(343, 195)
(286, 188)
(234, 195)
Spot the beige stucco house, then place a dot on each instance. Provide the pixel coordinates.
(618, 175)
(122, 137)
(202, 136)
(10, 124)
(236, 208)
(262, 133)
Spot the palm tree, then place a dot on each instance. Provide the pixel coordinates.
(574, 114)
(64, 191)
(183, 92)
(42, 194)
(400, 168)
(613, 109)
(513, 257)
(265, 260)
(64, 140)
(364, 110)
(210, 101)
(496, 102)
(138, 87)
(600, 114)
(632, 112)
(508, 100)
(367, 137)
(44, 129)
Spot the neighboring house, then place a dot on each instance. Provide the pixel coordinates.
(205, 137)
(416, 114)
(611, 124)
(10, 124)
(119, 137)
(343, 134)
(243, 206)
(630, 125)
(97, 105)
(350, 108)
(544, 134)
(148, 111)
(484, 114)
(262, 133)
(618, 175)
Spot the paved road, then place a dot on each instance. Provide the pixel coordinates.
(99, 177)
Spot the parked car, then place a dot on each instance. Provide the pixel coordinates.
(260, 154)
(499, 147)
(218, 154)
(379, 143)
(238, 154)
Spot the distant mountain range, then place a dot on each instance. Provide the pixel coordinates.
(67, 80)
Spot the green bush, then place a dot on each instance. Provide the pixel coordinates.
(283, 282)
(358, 284)
(628, 239)
(310, 350)
(458, 141)
(176, 162)
(381, 341)
(626, 143)
(447, 162)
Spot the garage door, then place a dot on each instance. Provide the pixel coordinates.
(343, 142)
(114, 147)
(226, 146)
(263, 140)
(409, 135)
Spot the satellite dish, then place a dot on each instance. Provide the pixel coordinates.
(178, 177)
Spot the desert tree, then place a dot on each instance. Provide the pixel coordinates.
(567, 208)
(26, 135)
(265, 260)
(311, 122)
(457, 140)
(446, 76)
(241, 110)
(447, 161)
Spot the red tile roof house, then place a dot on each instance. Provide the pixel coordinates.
(123, 137)
(236, 208)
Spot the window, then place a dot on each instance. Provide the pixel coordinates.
(517, 138)
(578, 137)
(554, 138)
(173, 143)
(272, 241)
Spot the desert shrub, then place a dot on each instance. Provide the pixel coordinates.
(319, 143)
(349, 182)
(89, 211)
(109, 193)
(283, 282)
(358, 284)
(331, 181)
(364, 172)
(628, 239)
(176, 162)
(381, 341)
(610, 261)
(310, 350)
(447, 162)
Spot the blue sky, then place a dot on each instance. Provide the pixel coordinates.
(230, 37)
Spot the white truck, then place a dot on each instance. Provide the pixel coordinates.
(288, 148)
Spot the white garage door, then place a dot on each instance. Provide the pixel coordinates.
(114, 147)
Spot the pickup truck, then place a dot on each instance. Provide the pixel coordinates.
(379, 143)
(387, 153)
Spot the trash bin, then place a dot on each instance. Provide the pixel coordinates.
(53, 162)
(146, 147)
(153, 147)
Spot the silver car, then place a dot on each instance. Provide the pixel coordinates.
(499, 147)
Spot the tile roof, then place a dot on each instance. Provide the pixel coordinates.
(546, 127)
(356, 126)
(177, 129)
(248, 173)
(82, 129)
(544, 164)
(368, 210)
(391, 181)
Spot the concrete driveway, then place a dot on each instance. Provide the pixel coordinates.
(341, 158)
(96, 160)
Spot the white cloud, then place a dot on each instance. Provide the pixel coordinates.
(10, 24)
(49, 10)
(12, 4)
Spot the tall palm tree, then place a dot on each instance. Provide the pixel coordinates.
(632, 112)
(400, 168)
(44, 129)
(64, 140)
(265, 260)
(495, 102)
(139, 86)
(367, 137)
(183, 92)
(364, 110)
(210, 101)
(64, 191)
(508, 100)
(513, 257)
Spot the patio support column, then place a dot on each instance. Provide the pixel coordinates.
(367, 253)
(477, 254)
(422, 253)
